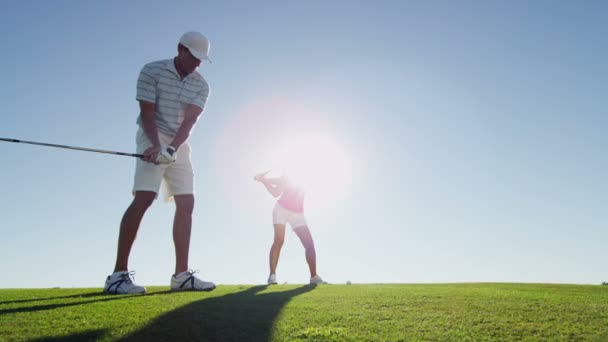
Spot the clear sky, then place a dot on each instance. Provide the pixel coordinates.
(472, 137)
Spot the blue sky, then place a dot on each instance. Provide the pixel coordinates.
(474, 130)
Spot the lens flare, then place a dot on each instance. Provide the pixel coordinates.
(318, 164)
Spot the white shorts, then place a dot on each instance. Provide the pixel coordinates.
(282, 216)
(177, 178)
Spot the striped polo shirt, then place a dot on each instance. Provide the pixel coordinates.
(160, 84)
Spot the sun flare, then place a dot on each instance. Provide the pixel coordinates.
(317, 163)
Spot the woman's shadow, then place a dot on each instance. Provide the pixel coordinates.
(241, 316)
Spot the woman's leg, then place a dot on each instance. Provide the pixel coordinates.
(311, 257)
(275, 250)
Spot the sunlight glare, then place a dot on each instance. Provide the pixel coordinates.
(317, 163)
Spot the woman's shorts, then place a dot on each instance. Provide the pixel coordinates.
(282, 216)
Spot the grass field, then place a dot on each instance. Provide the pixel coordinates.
(385, 312)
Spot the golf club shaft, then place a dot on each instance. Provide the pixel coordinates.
(72, 147)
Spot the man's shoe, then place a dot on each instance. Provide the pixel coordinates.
(121, 283)
(272, 279)
(186, 281)
(317, 280)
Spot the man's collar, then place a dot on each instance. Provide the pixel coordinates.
(170, 63)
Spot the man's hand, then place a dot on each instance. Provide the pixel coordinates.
(167, 156)
(150, 154)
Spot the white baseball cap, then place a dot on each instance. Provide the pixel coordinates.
(197, 44)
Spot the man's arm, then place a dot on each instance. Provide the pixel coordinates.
(191, 115)
(146, 112)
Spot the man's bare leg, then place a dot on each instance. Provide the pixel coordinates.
(129, 225)
(182, 230)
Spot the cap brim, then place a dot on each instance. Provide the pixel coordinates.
(201, 56)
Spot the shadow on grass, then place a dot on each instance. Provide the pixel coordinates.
(91, 335)
(107, 298)
(83, 295)
(241, 316)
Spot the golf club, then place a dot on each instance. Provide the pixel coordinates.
(72, 147)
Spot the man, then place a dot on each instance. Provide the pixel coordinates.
(289, 209)
(172, 95)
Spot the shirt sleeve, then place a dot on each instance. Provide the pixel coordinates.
(146, 85)
(201, 98)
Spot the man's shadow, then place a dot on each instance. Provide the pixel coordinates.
(104, 298)
(241, 316)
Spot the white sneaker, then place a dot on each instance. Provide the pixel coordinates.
(317, 280)
(186, 281)
(121, 283)
(272, 279)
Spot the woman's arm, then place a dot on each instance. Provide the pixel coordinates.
(273, 185)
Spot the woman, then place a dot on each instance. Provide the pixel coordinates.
(289, 209)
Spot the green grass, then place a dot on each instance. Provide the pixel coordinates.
(399, 312)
